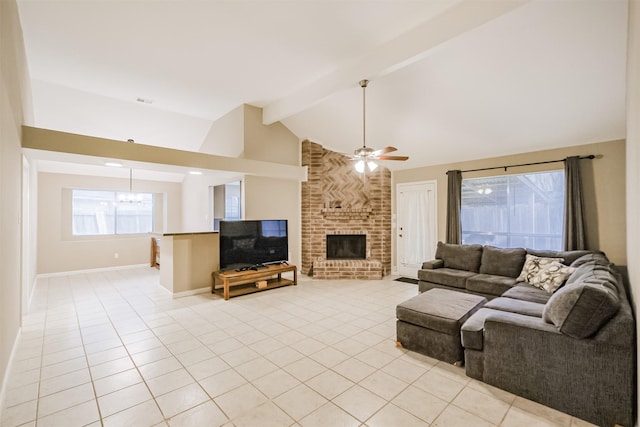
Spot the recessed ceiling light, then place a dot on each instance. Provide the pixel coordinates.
(113, 164)
(195, 173)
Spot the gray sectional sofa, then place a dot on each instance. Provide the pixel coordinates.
(571, 348)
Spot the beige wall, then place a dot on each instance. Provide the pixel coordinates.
(633, 161)
(59, 251)
(15, 109)
(269, 198)
(226, 136)
(187, 261)
(604, 189)
(272, 198)
(264, 197)
(268, 143)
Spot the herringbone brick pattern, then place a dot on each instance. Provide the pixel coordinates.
(337, 200)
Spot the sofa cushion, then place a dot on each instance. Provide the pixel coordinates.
(580, 308)
(593, 272)
(597, 257)
(532, 266)
(446, 276)
(489, 284)
(551, 277)
(567, 256)
(460, 257)
(526, 292)
(502, 262)
(511, 305)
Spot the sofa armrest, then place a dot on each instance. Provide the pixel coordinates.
(433, 264)
(590, 379)
(499, 318)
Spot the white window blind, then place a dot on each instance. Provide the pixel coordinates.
(525, 210)
(98, 212)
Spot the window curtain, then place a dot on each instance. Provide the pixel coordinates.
(454, 201)
(574, 229)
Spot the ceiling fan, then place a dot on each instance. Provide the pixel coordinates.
(366, 155)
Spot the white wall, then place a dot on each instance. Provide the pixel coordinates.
(58, 251)
(15, 109)
(633, 162)
(196, 212)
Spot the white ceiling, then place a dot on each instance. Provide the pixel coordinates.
(445, 85)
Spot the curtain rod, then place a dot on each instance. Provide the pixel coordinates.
(590, 157)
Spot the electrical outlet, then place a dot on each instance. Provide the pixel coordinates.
(116, 255)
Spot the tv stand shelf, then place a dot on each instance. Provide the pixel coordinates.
(234, 283)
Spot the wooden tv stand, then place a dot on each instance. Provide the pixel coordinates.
(236, 283)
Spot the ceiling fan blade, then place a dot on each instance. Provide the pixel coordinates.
(392, 158)
(383, 151)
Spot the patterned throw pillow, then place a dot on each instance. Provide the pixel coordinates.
(551, 277)
(532, 265)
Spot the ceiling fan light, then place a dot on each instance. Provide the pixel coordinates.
(372, 165)
(359, 166)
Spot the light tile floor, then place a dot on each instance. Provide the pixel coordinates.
(115, 349)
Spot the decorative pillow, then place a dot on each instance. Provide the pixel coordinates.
(532, 265)
(551, 277)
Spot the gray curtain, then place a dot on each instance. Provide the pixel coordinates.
(574, 230)
(454, 201)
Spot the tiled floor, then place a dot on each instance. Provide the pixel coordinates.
(115, 349)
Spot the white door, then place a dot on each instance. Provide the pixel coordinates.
(417, 231)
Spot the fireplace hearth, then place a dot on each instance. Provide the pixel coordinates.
(346, 246)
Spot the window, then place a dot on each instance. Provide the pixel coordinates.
(514, 210)
(97, 212)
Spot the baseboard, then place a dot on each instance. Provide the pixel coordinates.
(5, 380)
(191, 292)
(92, 270)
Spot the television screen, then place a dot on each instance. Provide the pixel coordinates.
(248, 243)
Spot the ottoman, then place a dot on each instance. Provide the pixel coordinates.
(430, 323)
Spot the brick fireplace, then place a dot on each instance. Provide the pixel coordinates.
(337, 201)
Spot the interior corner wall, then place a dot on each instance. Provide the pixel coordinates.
(15, 110)
(58, 251)
(268, 143)
(226, 135)
(633, 166)
(270, 198)
(603, 180)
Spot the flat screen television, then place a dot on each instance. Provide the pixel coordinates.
(253, 243)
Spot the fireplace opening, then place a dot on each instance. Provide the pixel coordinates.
(346, 246)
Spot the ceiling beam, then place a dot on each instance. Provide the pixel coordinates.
(398, 53)
(103, 149)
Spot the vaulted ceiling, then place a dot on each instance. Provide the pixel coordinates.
(449, 80)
